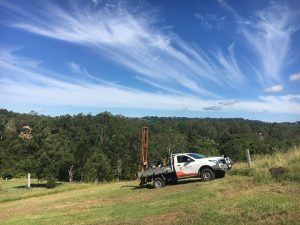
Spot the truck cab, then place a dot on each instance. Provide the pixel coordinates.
(188, 165)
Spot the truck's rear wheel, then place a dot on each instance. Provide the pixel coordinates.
(207, 174)
(158, 182)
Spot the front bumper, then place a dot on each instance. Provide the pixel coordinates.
(224, 167)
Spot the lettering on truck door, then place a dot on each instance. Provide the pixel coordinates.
(185, 167)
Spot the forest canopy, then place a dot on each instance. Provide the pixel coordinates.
(105, 146)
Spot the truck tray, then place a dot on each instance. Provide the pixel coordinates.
(155, 171)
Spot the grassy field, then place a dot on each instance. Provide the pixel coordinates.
(236, 199)
(289, 162)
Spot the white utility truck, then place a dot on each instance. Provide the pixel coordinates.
(186, 165)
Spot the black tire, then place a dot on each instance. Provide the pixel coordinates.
(158, 183)
(173, 182)
(207, 174)
(220, 174)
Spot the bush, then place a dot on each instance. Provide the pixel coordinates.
(278, 173)
(51, 183)
(7, 175)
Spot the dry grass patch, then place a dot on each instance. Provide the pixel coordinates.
(231, 200)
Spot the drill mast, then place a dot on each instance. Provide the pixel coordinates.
(144, 162)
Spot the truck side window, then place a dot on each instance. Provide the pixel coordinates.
(183, 159)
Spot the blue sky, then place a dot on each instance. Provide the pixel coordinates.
(152, 58)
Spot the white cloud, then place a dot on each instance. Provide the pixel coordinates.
(274, 89)
(74, 68)
(290, 97)
(132, 40)
(294, 77)
(269, 35)
(231, 69)
(228, 8)
(160, 59)
(38, 87)
(96, 2)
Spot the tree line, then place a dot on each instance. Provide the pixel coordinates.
(106, 147)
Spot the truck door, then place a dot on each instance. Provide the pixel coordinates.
(185, 167)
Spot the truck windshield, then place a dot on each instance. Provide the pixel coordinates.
(196, 156)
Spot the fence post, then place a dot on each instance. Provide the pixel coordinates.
(28, 181)
(248, 157)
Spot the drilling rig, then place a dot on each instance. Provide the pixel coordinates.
(144, 162)
(181, 166)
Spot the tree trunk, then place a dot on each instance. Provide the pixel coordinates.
(71, 173)
(119, 168)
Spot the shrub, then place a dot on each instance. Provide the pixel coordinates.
(7, 175)
(50, 183)
(278, 173)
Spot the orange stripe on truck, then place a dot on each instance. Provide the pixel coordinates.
(182, 174)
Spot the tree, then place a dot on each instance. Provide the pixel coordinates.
(97, 168)
(235, 149)
(103, 147)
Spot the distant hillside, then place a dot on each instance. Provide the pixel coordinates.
(105, 147)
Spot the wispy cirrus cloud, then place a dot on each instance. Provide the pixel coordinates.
(209, 20)
(269, 34)
(83, 74)
(274, 89)
(294, 77)
(24, 82)
(181, 72)
(231, 67)
(132, 40)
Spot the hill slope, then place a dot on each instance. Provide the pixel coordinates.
(233, 200)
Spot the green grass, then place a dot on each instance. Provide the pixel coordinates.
(235, 199)
(15, 189)
(261, 166)
(232, 200)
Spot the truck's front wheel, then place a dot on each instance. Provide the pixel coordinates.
(220, 174)
(207, 174)
(158, 182)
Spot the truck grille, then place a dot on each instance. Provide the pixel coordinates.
(222, 161)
